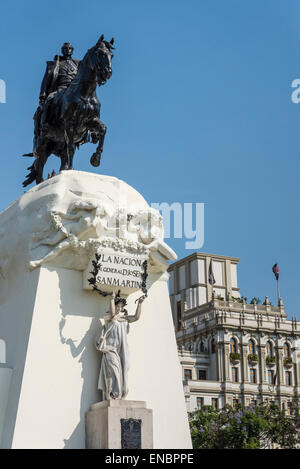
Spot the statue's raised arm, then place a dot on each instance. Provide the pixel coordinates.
(138, 311)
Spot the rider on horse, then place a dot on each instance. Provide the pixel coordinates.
(69, 111)
(58, 76)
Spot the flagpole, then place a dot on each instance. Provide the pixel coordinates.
(278, 293)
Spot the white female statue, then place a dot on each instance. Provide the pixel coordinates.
(113, 378)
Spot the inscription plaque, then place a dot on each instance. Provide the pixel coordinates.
(131, 433)
(118, 271)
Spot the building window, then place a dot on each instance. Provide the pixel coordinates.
(236, 402)
(235, 375)
(269, 349)
(251, 347)
(179, 323)
(288, 378)
(213, 346)
(200, 402)
(286, 351)
(252, 375)
(253, 403)
(214, 402)
(187, 374)
(202, 350)
(233, 345)
(202, 375)
(270, 376)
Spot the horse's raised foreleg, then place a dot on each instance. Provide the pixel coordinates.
(100, 129)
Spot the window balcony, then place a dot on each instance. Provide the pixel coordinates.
(288, 362)
(252, 359)
(235, 357)
(271, 360)
(207, 385)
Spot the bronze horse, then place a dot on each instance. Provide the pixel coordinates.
(72, 117)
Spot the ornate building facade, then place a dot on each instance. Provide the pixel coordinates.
(231, 352)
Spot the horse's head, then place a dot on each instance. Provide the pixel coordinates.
(100, 59)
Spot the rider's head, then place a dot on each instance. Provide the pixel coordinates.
(67, 50)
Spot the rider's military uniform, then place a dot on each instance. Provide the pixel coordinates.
(59, 74)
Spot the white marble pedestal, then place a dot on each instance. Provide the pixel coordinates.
(48, 319)
(105, 420)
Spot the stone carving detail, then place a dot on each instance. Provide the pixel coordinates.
(87, 225)
(65, 220)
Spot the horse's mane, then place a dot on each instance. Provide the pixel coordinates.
(90, 58)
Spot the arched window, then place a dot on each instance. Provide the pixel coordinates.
(2, 351)
(213, 346)
(286, 350)
(233, 345)
(202, 347)
(251, 347)
(269, 349)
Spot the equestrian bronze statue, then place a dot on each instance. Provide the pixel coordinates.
(68, 114)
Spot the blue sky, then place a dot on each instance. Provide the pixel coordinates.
(198, 110)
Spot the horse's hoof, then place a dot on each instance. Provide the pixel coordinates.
(95, 160)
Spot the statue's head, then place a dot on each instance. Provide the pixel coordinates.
(67, 50)
(120, 302)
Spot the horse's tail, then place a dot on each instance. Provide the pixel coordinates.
(31, 176)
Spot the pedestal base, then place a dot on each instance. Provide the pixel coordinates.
(119, 424)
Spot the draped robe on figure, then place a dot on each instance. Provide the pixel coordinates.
(113, 378)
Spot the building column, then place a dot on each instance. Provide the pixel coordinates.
(218, 361)
(262, 364)
(296, 367)
(226, 351)
(176, 280)
(228, 280)
(183, 301)
(187, 275)
(279, 366)
(245, 377)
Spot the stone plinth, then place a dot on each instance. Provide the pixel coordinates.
(104, 425)
(48, 321)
